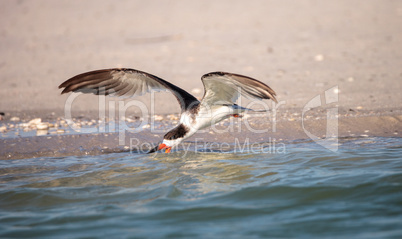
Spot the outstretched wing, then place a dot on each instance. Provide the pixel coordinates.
(124, 82)
(226, 88)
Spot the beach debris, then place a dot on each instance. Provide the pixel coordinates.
(41, 132)
(158, 117)
(34, 122)
(42, 126)
(351, 79)
(129, 120)
(60, 131)
(280, 72)
(173, 117)
(146, 126)
(319, 57)
(15, 118)
(3, 129)
(359, 107)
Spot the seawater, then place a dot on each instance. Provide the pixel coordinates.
(304, 192)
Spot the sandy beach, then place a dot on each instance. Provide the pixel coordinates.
(303, 50)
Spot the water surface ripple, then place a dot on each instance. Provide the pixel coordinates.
(307, 191)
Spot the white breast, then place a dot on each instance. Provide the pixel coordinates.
(206, 117)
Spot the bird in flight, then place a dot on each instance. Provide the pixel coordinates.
(221, 90)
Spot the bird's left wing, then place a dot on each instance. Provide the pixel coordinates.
(226, 88)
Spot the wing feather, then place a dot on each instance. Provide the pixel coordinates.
(226, 88)
(124, 82)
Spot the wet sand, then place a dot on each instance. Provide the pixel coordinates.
(253, 130)
(301, 49)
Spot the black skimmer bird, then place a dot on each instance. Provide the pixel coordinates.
(221, 90)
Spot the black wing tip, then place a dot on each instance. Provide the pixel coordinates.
(66, 84)
(273, 98)
(64, 91)
(66, 87)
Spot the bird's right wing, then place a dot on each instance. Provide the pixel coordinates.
(124, 82)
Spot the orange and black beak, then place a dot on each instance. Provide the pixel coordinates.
(163, 146)
(160, 147)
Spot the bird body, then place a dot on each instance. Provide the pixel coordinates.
(221, 91)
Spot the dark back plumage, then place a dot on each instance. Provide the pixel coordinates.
(178, 132)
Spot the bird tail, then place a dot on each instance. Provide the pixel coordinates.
(241, 109)
(259, 111)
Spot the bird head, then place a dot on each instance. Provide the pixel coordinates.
(166, 145)
(163, 146)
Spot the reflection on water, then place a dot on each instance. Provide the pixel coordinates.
(210, 171)
(307, 191)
